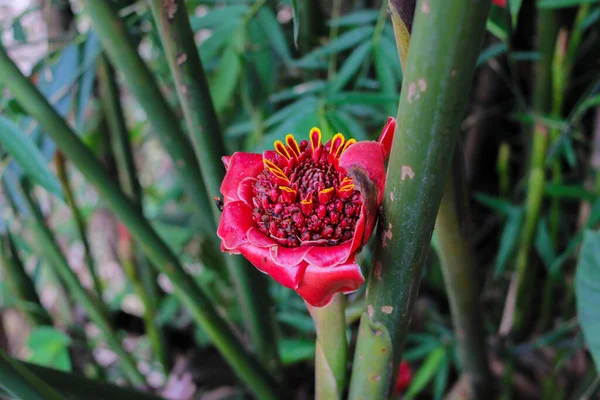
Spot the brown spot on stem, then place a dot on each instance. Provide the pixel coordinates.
(375, 378)
(422, 84)
(387, 235)
(425, 7)
(170, 7)
(377, 270)
(407, 171)
(392, 197)
(370, 310)
(387, 309)
(181, 58)
(412, 92)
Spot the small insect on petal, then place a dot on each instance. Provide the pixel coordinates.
(219, 202)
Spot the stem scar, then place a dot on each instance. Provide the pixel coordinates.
(407, 171)
(392, 196)
(422, 84)
(387, 235)
(181, 58)
(377, 270)
(387, 309)
(370, 310)
(425, 7)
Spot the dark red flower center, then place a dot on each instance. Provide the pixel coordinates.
(304, 197)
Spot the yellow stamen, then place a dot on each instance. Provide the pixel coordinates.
(281, 149)
(315, 138)
(349, 142)
(293, 145)
(337, 145)
(287, 189)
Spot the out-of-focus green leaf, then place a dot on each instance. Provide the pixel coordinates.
(343, 42)
(293, 351)
(420, 351)
(441, 379)
(300, 322)
(18, 31)
(217, 40)
(274, 33)
(426, 372)
(563, 3)
(359, 17)
(49, 347)
(295, 21)
(305, 88)
(91, 51)
(497, 23)
(514, 7)
(562, 191)
(218, 16)
(27, 155)
(289, 111)
(360, 98)
(491, 52)
(543, 244)
(591, 19)
(225, 84)
(344, 123)
(351, 66)
(587, 292)
(385, 76)
(388, 49)
(525, 55)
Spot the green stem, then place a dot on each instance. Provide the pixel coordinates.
(158, 252)
(432, 103)
(122, 53)
(547, 30)
(92, 305)
(331, 352)
(336, 11)
(61, 172)
(203, 125)
(144, 280)
(21, 283)
(22, 384)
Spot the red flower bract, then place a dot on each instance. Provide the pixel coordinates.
(301, 212)
(499, 3)
(404, 378)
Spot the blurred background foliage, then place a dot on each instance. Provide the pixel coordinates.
(274, 68)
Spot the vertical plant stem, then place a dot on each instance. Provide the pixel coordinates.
(204, 128)
(22, 384)
(139, 79)
(547, 29)
(331, 352)
(21, 283)
(93, 307)
(432, 102)
(158, 252)
(336, 11)
(144, 280)
(458, 261)
(61, 172)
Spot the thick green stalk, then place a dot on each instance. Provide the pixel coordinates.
(92, 305)
(547, 29)
(158, 252)
(140, 81)
(22, 384)
(458, 262)
(21, 283)
(61, 172)
(203, 126)
(445, 43)
(331, 352)
(144, 280)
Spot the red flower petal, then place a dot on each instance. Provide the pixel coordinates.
(387, 135)
(318, 285)
(329, 256)
(289, 256)
(241, 165)
(257, 238)
(245, 191)
(236, 220)
(259, 257)
(499, 3)
(366, 159)
(226, 160)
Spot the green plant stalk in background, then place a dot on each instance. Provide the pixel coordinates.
(61, 172)
(22, 384)
(331, 352)
(21, 284)
(547, 29)
(458, 266)
(123, 55)
(95, 309)
(204, 128)
(144, 280)
(430, 111)
(191, 295)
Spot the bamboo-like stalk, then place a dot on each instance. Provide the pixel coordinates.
(547, 29)
(75, 387)
(21, 283)
(144, 280)
(158, 252)
(204, 128)
(93, 307)
(139, 80)
(61, 172)
(457, 259)
(331, 351)
(445, 43)
(22, 384)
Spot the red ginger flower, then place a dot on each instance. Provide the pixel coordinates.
(405, 376)
(302, 212)
(499, 3)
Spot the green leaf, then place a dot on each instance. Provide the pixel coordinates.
(360, 98)
(218, 16)
(426, 372)
(587, 292)
(441, 380)
(575, 192)
(351, 66)
(295, 21)
(491, 52)
(274, 33)
(217, 40)
(225, 84)
(343, 42)
(49, 347)
(310, 87)
(344, 123)
(543, 244)
(514, 7)
(385, 77)
(28, 156)
(508, 242)
(388, 49)
(563, 3)
(496, 23)
(355, 18)
(293, 351)
(18, 31)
